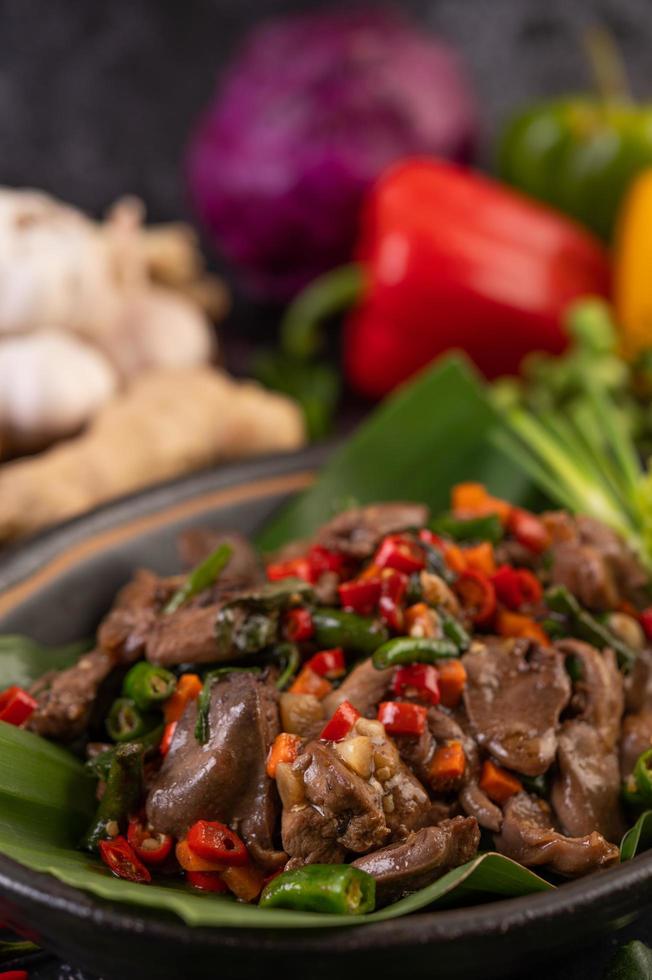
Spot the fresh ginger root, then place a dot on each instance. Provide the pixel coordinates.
(129, 298)
(167, 423)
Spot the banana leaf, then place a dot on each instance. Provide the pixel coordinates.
(638, 838)
(431, 434)
(22, 661)
(47, 799)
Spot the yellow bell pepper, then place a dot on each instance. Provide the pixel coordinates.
(632, 273)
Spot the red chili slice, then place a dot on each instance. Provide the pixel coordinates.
(120, 857)
(328, 663)
(168, 735)
(16, 705)
(516, 587)
(293, 568)
(402, 717)
(401, 553)
(417, 680)
(214, 841)
(206, 881)
(150, 846)
(477, 594)
(298, 625)
(341, 723)
(645, 619)
(529, 530)
(360, 596)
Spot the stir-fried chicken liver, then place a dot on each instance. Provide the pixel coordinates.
(527, 836)
(514, 695)
(423, 857)
(65, 700)
(364, 687)
(225, 778)
(593, 562)
(338, 811)
(586, 790)
(636, 732)
(358, 531)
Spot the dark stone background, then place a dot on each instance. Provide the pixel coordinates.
(97, 98)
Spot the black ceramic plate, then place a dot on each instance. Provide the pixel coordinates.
(56, 589)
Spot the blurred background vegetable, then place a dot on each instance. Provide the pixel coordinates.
(448, 259)
(313, 108)
(580, 152)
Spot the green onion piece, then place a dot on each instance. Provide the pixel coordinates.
(202, 725)
(201, 577)
(413, 650)
(584, 626)
(338, 889)
(290, 659)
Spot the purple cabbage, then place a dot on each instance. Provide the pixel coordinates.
(313, 109)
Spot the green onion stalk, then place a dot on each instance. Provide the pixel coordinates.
(582, 454)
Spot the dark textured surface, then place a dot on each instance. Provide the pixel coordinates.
(96, 99)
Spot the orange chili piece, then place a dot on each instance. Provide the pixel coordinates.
(497, 783)
(474, 500)
(188, 689)
(284, 748)
(447, 767)
(308, 682)
(452, 680)
(517, 625)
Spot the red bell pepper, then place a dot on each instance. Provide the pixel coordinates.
(120, 857)
(417, 680)
(149, 845)
(449, 259)
(214, 841)
(341, 723)
(328, 663)
(453, 259)
(298, 625)
(402, 717)
(16, 705)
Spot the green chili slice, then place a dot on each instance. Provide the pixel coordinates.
(126, 722)
(643, 777)
(413, 650)
(337, 628)
(121, 797)
(337, 889)
(486, 528)
(454, 631)
(100, 765)
(201, 577)
(148, 685)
